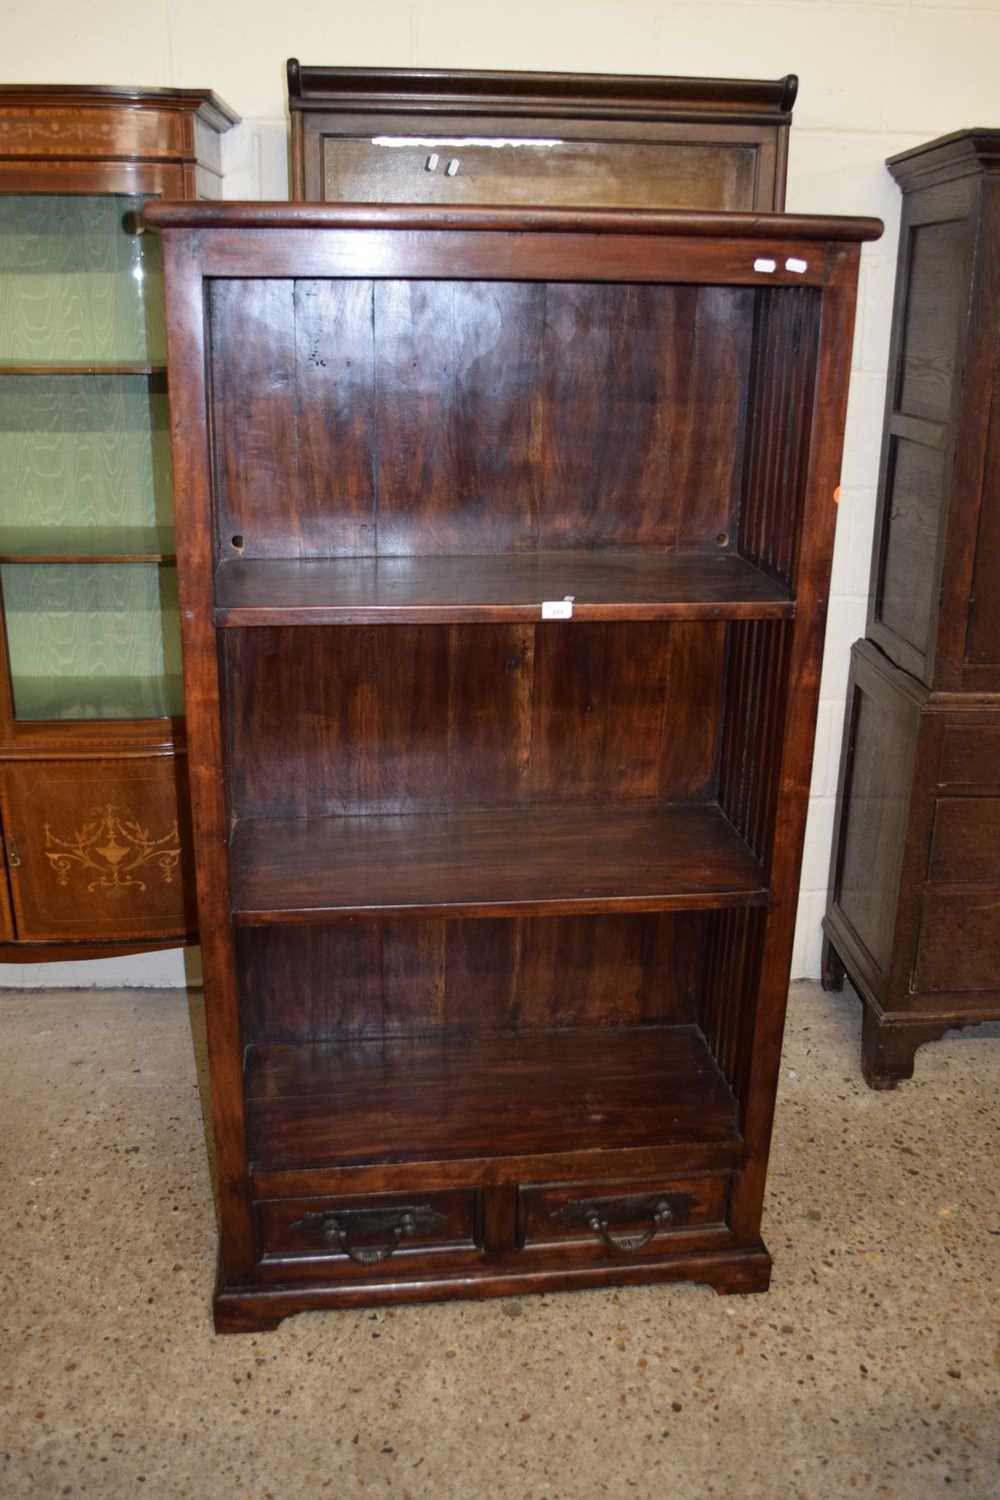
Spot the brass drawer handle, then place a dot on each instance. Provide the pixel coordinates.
(629, 1243)
(369, 1235)
(599, 1214)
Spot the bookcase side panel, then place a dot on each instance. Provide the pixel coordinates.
(195, 503)
(806, 425)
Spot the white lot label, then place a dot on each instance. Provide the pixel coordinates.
(557, 609)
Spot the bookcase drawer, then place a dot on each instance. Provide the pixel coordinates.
(622, 1219)
(369, 1235)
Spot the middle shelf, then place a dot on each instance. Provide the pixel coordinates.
(510, 861)
(688, 584)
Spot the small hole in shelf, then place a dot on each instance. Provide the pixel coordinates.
(723, 539)
(237, 541)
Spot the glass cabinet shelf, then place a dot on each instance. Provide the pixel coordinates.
(92, 642)
(9, 368)
(96, 544)
(87, 582)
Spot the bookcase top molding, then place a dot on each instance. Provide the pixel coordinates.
(280, 215)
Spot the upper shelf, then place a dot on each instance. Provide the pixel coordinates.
(605, 585)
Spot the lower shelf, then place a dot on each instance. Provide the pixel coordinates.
(526, 1094)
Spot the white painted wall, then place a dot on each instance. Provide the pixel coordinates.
(876, 78)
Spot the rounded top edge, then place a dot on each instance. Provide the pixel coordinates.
(410, 216)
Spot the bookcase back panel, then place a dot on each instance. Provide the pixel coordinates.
(427, 717)
(363, 418)
(407, 978)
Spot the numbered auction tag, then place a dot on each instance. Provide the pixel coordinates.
(558, 609)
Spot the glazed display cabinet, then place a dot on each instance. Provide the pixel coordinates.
(595, 140)
(915, 875)
(504, 548)
(92, 784)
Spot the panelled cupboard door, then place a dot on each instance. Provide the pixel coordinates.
(933, 608)
(97, 849)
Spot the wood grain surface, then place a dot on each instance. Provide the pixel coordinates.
(603, 585)
(505, 862)
(407, 977)
(529, 1094)
(361, 418)
(423, 717)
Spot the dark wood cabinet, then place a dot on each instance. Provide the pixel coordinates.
(436, 135)
(915, 875)
(933, 607)
(97, 859)
(504, 543)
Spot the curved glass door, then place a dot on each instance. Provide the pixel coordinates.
(86, 514)
(79, 281)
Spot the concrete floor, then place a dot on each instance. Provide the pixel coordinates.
(871, 1368)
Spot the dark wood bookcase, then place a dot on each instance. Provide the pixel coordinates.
(504, 542)
(915, 875)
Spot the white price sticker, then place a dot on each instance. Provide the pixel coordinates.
(558, 609)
